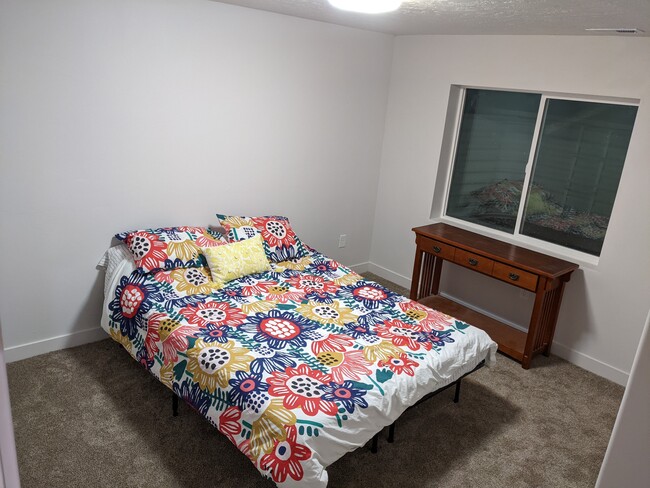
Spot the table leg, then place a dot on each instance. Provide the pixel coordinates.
(415, 281)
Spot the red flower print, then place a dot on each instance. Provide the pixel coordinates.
(216, 313)
(284, 459)
(333, 342)
(353, 366)
(276, 232)
(191, 230)
(206, 240)
(399, 365)
(251, 287)
(282, 293)
(301, 388)
(313, 284)
(173, 335)
(164, 276)
(147, 250)
(370, 295)
(229, 423)
(130, 300)
(425, 317)
(402, 334)
(152, 338)
(245, 448)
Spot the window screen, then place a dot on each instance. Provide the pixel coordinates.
(579, 161)
(570, 191)
(493, 147)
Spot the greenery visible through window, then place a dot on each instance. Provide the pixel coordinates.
(568, 192)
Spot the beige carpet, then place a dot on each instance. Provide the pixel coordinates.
(92, 417)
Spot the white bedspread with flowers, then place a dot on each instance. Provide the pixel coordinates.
(296, 366)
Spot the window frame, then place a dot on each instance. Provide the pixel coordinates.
(583, 258)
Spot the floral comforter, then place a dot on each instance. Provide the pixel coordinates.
(296, 366)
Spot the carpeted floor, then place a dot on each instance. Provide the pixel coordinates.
(92, 417)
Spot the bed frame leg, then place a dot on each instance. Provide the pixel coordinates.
(391, 432)
(174, 405)
(457, 394)
(375, 442)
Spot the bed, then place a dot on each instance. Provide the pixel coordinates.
(296, 365)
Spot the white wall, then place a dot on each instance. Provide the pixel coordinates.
(604, 306)
(8, 459)
(626, 459)
(122, 114)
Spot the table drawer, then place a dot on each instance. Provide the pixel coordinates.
(437, 248)
(515, 276)
(473, 261)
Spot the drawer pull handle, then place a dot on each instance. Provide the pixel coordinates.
(472, 261)
(436, 249)
(513, 276)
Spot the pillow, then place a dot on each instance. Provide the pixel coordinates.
(117, 261)
(280, 241)
(237, 259)
(170, 247)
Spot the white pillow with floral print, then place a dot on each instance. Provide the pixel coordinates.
(170, 247)
(280, 241)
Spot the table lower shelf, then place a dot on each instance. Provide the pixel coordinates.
(511, 341)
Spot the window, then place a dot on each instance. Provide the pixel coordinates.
(538, 166)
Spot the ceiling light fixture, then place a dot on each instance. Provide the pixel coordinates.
(367, 6)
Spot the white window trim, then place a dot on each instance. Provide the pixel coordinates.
(579, 257)
(528, 169)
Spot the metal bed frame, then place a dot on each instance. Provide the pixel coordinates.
(391, 430)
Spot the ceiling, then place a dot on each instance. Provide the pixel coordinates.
(507, 17)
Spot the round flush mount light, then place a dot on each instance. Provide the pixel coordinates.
(367, 6)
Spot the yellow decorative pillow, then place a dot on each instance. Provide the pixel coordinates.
(232, 261)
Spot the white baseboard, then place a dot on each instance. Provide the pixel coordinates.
(387, 274)
(360, 268)
(24, 351)
(592, 365)
(578, 358)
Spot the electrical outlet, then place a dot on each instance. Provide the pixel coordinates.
(343, 240)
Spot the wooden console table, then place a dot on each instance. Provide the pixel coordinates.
(543, 275)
